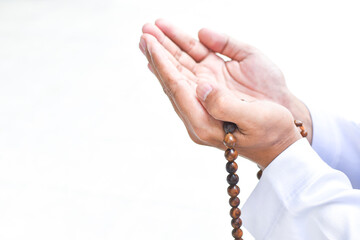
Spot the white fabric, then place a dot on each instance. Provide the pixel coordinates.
(301, 197)
(337, 141)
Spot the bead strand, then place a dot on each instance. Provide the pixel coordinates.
(303, 133)
(299, 123)
(233, 190)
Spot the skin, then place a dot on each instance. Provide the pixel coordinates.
(248, 90)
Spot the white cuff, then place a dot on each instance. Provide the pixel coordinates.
(280, 183)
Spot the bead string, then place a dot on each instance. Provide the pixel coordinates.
(233, 190)
(299, 123)
(231, 167)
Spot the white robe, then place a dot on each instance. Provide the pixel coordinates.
(310, 192)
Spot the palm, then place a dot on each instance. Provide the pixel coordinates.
(248, 75)
(255, 75)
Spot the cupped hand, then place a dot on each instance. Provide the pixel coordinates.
(248, 72)
(183, 64)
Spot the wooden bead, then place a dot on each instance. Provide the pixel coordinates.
(259, 174)
(237, 233)
(231, 154)
(304, 133)
(232, 179)
(235, 212)
(236, 223)
(234, 202)
(233, 190)
(298, 123)
(231, 167)
(229, 140)
(229, 127)
(302, 128)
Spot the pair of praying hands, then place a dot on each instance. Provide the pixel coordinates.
(248, 90)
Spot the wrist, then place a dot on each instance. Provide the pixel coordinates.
(284, 142)
(300, 112)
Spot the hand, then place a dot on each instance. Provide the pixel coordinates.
(180, 73)
(249, 71)
(265, 128)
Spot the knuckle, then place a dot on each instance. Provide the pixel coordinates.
(203, 134)
(178, 54)
(179, 67)
(191, 45)
(196, 140)
(218, 106)
(170, 91)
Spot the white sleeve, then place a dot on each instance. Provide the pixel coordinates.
(301, 197)
(337, 141)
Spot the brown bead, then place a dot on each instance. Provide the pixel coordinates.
(298, 123)
(233, 191)
(236, 223)
(235, 212)
(229, 140)
(229, 127)
(234, 202)
(304, 133)
(302, 128)
(259, 174)
(232, 179)
(237, 233)
(231, 167)
(231, 154)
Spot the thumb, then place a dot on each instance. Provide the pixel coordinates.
(224, 44)
(223, 105)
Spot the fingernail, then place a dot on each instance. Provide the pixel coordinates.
(142, 44)
(204, 90)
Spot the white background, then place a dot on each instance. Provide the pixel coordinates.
(90, 147)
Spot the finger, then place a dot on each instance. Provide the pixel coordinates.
(224, 106)
(188, 44)
(190, 131)
(170, 46)
(183, 70)
(225, 45)
(176, 86)
(181, 92)
(151, 68)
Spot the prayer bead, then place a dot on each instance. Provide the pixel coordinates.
(235, 212)
(259, 174)
(298, 123)
(231, 154)
(229, 127)
(234, 201)
(236, 223)
(231, 167)
(232, 179)
(233, 191)
(237, 233)
(304, 133)
(229, 140)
